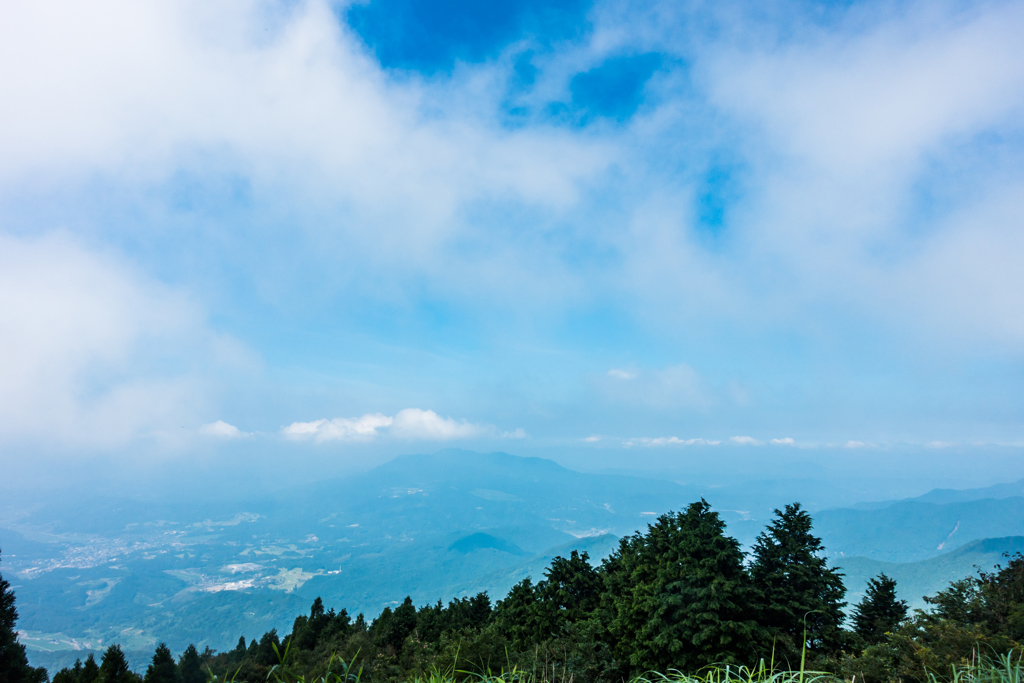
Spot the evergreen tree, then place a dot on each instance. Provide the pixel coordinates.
(90, 670)
(66, 675)
(516, 615)
(798, 589)
(114, 667)
(679, 596)
(391, 627)
(190, 664)
(163, 668)
(14, 667)
(570, 592)
(879, 612)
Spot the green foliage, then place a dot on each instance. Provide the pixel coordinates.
(880, 612)
(678, 597)
(190, 666)
(162, 669)
(570, 592)
(799, 592)
(114, 667)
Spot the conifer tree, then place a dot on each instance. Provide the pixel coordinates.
(90, 670)
(880, 612)
(570, 591)
(797, 587)
(680, 598)
(391, 627)
(516, 615)
(14, 666)
(162, 669)
(114, 667)
(190, 664)
(66, 675)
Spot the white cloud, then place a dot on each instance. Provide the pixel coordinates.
(518, 433)
(221, 429)
(86, 344)
(940, 444)
(410, 423)
(744, 440)
(787, 441)
(339, 429)
(413, 423)
(855, 444)
(622, 374)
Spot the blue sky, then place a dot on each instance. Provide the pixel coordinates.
(347, 228)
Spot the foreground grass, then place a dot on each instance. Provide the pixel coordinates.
(1006, 668)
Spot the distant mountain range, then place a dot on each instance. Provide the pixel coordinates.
(90, 572)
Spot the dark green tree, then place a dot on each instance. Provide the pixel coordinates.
(992, 601)
(516, 615)
(190, 664)
(66, 675)
(14, 666)
(90, 670)
(678, 596)
(162, 669)
(570, 592)
(114, 667)
(797, 587)
(392, 627)
(880, 612)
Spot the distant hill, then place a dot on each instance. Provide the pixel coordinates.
(909, 531)
(942, 496)
(914, 580)
(138, 571)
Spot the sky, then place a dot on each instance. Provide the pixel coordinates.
(342, 231)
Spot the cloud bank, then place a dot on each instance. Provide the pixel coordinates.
(410, 424)
(789, 212)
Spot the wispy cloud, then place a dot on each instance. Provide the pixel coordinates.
(744, 441)
(668, 441)
(786, 441)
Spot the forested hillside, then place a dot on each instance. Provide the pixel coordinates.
(678, 596)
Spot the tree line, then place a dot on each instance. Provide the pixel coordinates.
(681, 595)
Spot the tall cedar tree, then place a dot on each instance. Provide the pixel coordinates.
(162, 669)
(516, 615)
(680, 596)
(391, 628)
(879, 612)
(66, 675)
(190, 664)
(570, 592)
(90, 670)
(114, 667)
(14, 667)
(795, 583)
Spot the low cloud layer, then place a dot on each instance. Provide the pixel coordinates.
(411, 424)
